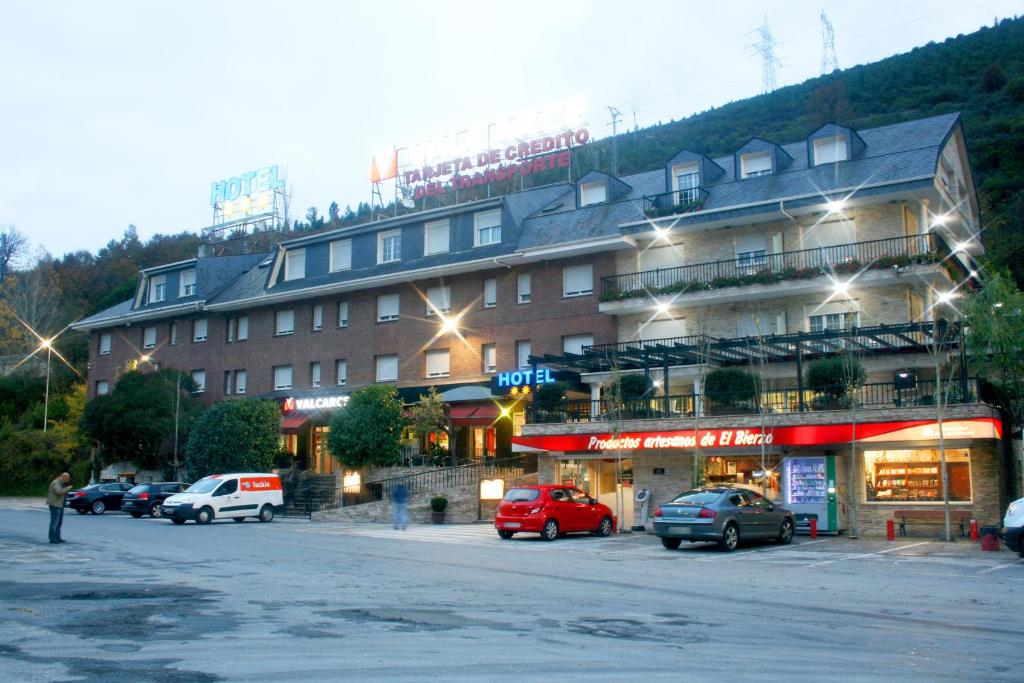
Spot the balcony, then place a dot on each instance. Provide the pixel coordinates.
(685, 200)
(761, 268)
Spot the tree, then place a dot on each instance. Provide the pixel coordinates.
(836, 378)
(12, 246)
(333, 212)
(368, 431)
(431, 416)
(732, 388)
(993, 79)
(234, 436)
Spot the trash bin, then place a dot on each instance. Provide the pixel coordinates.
(989, 538)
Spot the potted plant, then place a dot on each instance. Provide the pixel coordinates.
(834, 379)
(438, 505)
(731, 391)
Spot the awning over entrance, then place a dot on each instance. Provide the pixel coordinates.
(481, 414)
(293, 422)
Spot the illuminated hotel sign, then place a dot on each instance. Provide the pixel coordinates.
(524, 381)
(292, 404)
(246, 194)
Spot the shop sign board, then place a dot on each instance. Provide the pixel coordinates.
(803, 435)
(293, 404)
(515, 381)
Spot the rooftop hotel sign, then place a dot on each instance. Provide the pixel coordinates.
(247, 193)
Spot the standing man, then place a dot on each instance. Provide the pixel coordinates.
(400, 511)
(59, 488)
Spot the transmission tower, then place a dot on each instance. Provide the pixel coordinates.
(766, 48)
(615, 141)
(829, 61)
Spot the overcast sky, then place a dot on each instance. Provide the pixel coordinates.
(114, 113)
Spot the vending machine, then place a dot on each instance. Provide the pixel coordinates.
(810, 491)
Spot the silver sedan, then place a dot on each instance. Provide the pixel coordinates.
(723, 515)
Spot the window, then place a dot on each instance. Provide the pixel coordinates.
(761, 324)
(157, 288)
(523, 283)
(523, 354)
(341, 255)
(387, 368)
(756, 164)
(667, 328)
(282, 377)
(686, 183)
(314, 374)
(653, 258)
(173, 334)
(437, 363)
(149, 337)
(284, 322)
(489, 355)
(490, 292)
(342, 314)
(839, 315)
(832, 242)
(199, 379)
(487, 228)
(187, 286)
(578, 280)
(341, 371)
(575, 343)
(436, 237)
(828, 150)
(294, 264)
(389, 246)
(105, 343)
(227, 382)
(915, 476)
(593, 193)
(751, 252)
(199, 329)
(439, 299)
(238, 328)
(102, 387)
(227, 488)
(240, 378)
(318, 317)
(387, 307)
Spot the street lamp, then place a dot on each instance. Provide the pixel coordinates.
(46, 343)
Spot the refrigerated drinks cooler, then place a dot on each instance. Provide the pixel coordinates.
(810, 491)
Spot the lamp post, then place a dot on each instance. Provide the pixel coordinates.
(943, 298)
(47, 344)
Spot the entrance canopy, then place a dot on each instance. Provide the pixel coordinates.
(293, 422)
(479, 414)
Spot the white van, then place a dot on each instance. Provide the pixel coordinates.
(219, 496)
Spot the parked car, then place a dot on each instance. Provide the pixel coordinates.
(148, 499)
(724, 515)
(227, 495)
(97, 498)
(1013, 526)
(550, 511)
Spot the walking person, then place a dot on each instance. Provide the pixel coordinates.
(59, 488)
(400, 506)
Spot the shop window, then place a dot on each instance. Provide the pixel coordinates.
(915, 476)
(105, 344)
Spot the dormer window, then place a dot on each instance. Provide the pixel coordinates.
(157, 288)
(686, 183)
(756, 164)
(294, 264)
(830, 150)
(188, 282)
(593, 193)
(389, 246)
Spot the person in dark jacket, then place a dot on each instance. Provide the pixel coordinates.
(400, 506)
(59, 488)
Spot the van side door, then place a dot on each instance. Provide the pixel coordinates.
(227, 500)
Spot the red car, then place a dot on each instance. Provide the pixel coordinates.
(551, 510)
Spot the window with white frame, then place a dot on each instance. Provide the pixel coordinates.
(149, 337)
(436, 237)
(387, 368)
(341, 255)
(342, 314)
(187, 286)
(523, 353)
(829, 243)
(389, 246)
(294, 264)
(228, 376)
(282, 377)
(387, 307)
(654, 258)
(102, 387)
(437, 363)
(199, 380)
(240, 380)
(487, 227)
(836, 315)
(157, 288)
(686, 183)
(489, 356)
(104, 343)
(439, 299)
(578, 280)
(751, 252)
(574, 343)
(200, 327)
(284, 322)
(523, 288)
(756, 164)
(341, 371)
(314, 374)
(593, 193)
(830, 150)
(173, 334)
(318, 317)
(490, 292)
(761, 324)
(664, 328)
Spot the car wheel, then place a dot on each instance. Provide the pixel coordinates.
(786, 532)
(99, 507)
(550, 531)
(177, 521)
(730, 538)
(238, 519)
(267, 513)
(505, 534)
(204, 516)
(81, 512)
(671, 543)
(135, 515)
(605, 529)
(156, 511)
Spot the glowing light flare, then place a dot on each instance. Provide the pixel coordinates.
(835, 206)
(44, 343)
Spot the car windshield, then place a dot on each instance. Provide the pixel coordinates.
(697, 497)
(141, 488)
(521, 495)
(203, 486)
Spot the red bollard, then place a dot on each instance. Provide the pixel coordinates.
(974, 530)
(890, 530)
(814, 528)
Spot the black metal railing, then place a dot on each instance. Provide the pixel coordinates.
(774, 400)
(685, 200)
(764, 268)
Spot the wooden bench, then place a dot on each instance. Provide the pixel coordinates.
(911, 516)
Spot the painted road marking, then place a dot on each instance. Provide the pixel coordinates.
(1001, 566)
(865, 555)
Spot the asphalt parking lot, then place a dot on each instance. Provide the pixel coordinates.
(295, 600)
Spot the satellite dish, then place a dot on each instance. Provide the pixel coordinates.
(408, 203)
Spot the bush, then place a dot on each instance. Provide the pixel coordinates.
(30, 459)
(832, 377)
(632, 387)
(234, 436)
(438, 504)
(731, 387)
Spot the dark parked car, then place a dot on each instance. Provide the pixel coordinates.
(97, 498)
(148, 499)
(723, 515)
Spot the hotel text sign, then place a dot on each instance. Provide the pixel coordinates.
(242, 193)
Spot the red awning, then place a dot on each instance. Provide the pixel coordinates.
(293, 422)
(462, 412)
(480, 414)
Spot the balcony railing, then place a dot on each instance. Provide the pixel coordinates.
(758, 268)
(684, 200)
(772, 401)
